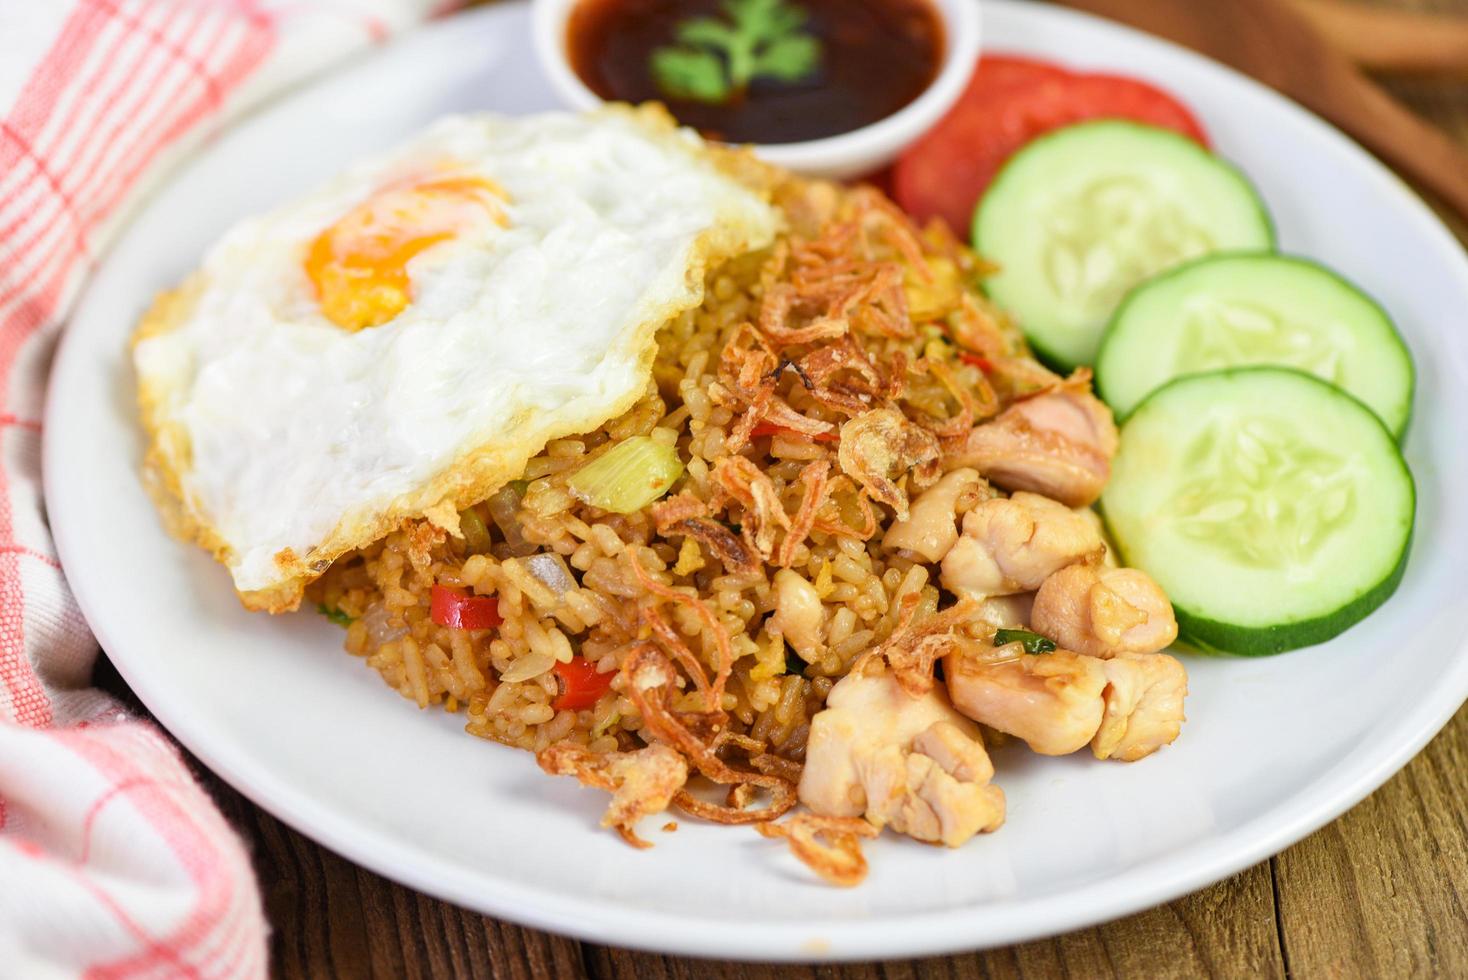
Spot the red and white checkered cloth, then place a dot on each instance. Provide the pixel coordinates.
(113, 862)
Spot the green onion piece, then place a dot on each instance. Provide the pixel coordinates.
(1031, 642)
(335, 615)
(628, 477)
(475, 531)
(794, 664)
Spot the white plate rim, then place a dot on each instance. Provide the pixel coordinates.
(1139, 887)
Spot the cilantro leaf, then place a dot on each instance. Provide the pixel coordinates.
(789, 58)
(716, 58)
(685, 73)
(706, 31)
(765, 19)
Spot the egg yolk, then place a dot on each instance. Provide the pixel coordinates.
(359, 266)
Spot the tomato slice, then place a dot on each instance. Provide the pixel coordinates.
(459, 610)
(1114, 97)
(581, 685)
(996, 72)
(1008, 102)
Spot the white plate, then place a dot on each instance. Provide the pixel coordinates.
(1274, 748)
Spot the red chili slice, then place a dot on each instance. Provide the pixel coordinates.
(460, 611)
(977, 360)
(581, 685)
(1009, 102)
(771, 429)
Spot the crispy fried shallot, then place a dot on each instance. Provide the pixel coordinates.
(641, 783)
(915, 646)
(674, 646)
(764, 514)
(829, 846)
(862, 502)
(825, 362)
(677, 509)
(898, 229)
(722, 542)
(815, 477)
(845, 379)
(715, 695)
(650, 677)
(974, 403)
(881, 445)
(836, 308)
(423, 537)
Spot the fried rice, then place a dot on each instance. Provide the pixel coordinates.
(820, 387)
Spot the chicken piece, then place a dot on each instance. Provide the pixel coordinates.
(1006, 612)
(912, 763)
(799, 616)
(1052, 701)
(1013, 544)
(641, 783)
(1144, 705)
(937, 792)
(882, 445)
(1099, 526)
(1104, 612)
(1058, 443)
(1070, 410)
(932, 523)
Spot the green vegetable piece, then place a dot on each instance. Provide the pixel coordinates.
(715, 58)
(793, 664)
(790, 58)
(628, 477)
(476, 532)
(335, 615)
(1274, 509)
(707, 32)
(1030, 642)
(697, 76)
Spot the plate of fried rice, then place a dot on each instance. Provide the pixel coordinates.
(771, 568)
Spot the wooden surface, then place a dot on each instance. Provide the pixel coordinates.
(1382, 892)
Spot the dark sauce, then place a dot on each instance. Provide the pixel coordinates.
(876, 57)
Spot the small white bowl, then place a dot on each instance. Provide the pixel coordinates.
(847, 155)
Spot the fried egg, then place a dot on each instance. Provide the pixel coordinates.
(399, 343)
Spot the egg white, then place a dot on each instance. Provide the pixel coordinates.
(281, 441)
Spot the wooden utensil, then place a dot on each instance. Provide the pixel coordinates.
(1382, 39)
(1275, 43)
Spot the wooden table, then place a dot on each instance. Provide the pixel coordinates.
(1382, 892)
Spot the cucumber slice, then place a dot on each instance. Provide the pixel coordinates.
(1235, 310)
(1083, 214)
(1274, 509)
